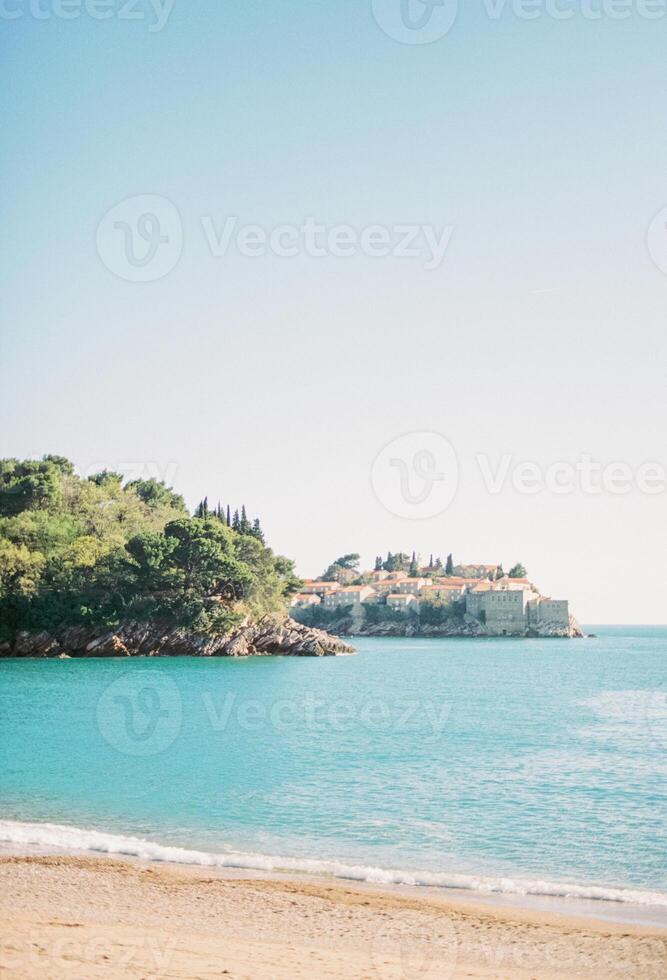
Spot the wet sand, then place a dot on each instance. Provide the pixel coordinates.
(67, 916)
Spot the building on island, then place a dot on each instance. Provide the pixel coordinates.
(313, 587)
(505, 606)
(402, 600)
(413, 586)
(347, 595)
(305, 600)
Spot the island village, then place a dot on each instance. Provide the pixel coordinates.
(404, 597)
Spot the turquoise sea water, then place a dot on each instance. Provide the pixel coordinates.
(530, 765)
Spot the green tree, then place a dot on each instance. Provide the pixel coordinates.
(343, 569)
(244, 523)
(78, 551)
(106, 478)
(518, 571)
(63, 465)
(20, 569)
(256, 531)
(449, 565)
(155, 493)
(29, 484)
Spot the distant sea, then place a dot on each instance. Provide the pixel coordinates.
(522, 767)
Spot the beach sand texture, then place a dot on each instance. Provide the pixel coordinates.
(87, 917)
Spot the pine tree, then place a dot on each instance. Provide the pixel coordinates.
(449, 567)
(236, 522)
(199, 509)
(430, 562)
(244, 523)
(256, 530)
(378, 563)
(229, 517)
(205, 507)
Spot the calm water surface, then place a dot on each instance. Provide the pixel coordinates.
(543, 760)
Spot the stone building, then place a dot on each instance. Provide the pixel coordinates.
(543, 611)
(402, 600)
(349, 595)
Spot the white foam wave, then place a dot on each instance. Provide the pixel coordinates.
(47, 836)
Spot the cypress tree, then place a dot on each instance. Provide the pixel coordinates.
(449, 567)
(229, 517)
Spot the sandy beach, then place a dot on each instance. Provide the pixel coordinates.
(89, 917)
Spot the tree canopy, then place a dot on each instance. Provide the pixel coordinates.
(343, 569)
(101, 552)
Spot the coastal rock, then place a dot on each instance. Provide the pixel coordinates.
(108, 645)
(466, 627)
(267, 637)
(36, 645)
(546, 630)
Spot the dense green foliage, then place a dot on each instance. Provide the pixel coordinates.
(97, 552)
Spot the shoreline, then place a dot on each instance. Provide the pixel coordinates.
(629, 905)
(237, 865)
(96, 911)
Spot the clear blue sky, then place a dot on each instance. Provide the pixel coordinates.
(276, 381)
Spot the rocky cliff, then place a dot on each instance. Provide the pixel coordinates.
(466, 627)
(268, 637)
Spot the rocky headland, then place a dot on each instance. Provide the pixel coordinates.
(267, 637)
(466, 627)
